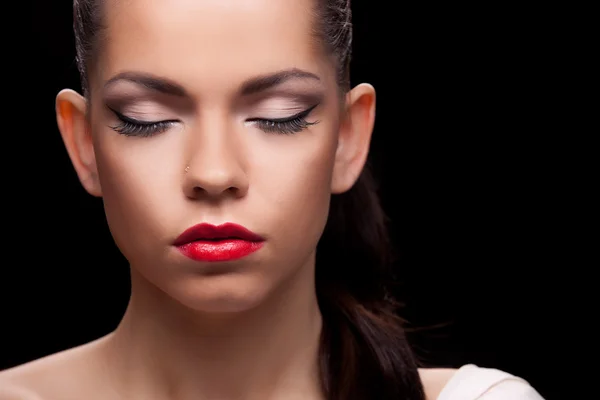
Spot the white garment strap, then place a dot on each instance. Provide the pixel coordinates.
(470, 382)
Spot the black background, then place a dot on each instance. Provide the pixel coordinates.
(466, 180)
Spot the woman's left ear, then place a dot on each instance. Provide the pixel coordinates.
(354, 137)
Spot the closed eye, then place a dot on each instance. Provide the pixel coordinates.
(288, 125)
(133, 127)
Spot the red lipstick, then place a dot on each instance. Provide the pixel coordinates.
(226, 242)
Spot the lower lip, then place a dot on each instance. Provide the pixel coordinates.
(219, 250)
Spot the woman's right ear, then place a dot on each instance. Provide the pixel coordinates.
(71, 108)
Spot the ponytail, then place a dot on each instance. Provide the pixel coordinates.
(364, 353)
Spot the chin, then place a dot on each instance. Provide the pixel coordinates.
(233, 293)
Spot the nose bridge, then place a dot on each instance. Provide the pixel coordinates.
(214, 157)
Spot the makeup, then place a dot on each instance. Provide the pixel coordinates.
(210, 243)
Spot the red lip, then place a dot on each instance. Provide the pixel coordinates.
(226, 242)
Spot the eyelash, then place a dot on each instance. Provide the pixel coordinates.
(286, 126)
(132, 127)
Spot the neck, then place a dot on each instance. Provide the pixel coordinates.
(162, 349)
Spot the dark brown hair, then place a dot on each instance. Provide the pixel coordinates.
(364, 352)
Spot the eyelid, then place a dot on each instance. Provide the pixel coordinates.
(136, 121)
(301, 114)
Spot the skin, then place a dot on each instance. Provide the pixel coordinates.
(244, 329)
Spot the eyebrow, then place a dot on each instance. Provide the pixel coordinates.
(262, 83)
(149, 81)
(249, 87)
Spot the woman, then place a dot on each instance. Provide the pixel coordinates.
(230, 155)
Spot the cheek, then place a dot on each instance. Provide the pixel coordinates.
(297, 181)
(138, 177)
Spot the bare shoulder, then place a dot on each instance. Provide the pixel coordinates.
(49, 377)
(435, 379)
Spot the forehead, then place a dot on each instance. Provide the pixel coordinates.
(204, 42)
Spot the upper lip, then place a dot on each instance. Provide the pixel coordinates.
(225, 231)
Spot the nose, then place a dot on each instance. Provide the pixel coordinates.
(215, 166)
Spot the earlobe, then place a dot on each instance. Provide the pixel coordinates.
(354, 138)
(74, 128)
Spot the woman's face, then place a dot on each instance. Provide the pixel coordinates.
(214, 112)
